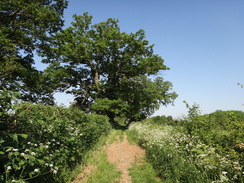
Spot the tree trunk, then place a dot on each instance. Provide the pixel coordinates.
(96, 78)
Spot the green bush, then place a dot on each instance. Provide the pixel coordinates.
(45, 143)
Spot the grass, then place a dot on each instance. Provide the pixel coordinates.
(105, 171)
(88, 157)
(113, 137)
(143, 172)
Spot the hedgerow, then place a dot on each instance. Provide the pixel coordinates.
(199, 148)
(44, 143)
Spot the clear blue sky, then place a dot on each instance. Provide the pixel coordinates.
(202, 41)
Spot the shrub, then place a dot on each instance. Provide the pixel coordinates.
(47, 142)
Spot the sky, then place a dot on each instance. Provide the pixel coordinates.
(201, 41)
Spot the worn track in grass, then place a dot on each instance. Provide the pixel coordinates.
(122, 154)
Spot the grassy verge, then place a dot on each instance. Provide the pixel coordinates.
(143, 172)
(105, 171)
(89, 157)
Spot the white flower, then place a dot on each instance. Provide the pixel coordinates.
(9, 168)
(22, 154)
(224, 173)
(36, 170)
(46, 164)
(33, 153)
(15, 150)
(47, 146)
(27, 150)
(55, 171)
(51, 165)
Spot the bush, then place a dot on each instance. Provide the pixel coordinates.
(45, 143)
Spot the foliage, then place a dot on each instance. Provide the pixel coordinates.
(26, 28)
(224, 128)
(180, 157)
(99, 63)
(45, 143)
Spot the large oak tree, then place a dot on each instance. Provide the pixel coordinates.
(107, 70)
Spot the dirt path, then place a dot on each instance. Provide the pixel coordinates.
(123, 154)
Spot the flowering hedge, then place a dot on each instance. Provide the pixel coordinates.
(45, 143)
(179, 157)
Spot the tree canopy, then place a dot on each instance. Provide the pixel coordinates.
(108, 71)
(25, 28)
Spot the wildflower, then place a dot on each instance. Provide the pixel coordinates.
(9, 168)
(224, 173)
(55, 171)
(36, 170)
(22, 154)
(27, 150)
(33, 153)
(46, 164)
(47, 146)
(51, 165)
(16, 150)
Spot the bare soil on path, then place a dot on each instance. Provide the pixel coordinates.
(122, 154)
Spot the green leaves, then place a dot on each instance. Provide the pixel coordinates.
(108, 70)
(48, 140)
(26, 27)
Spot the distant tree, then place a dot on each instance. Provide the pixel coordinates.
(25, 28)
(109, 71)
(240, 85)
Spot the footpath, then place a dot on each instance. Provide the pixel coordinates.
(117, 151)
